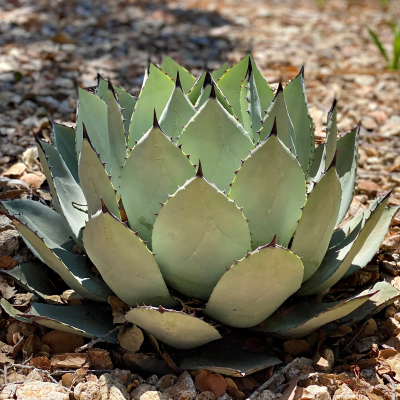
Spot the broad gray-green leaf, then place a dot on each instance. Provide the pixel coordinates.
(278, 112)
(154, 96)
(271, 188)
(116, 139)
(102, 87)
(176, 113)
(171, 67)
(338, 259)
(95, 182)
(231, 362)
(93, 112)
(198, 233)
(13, 312)
(250, 303)
(195, 91)
(218, 73)
(233, 79)
(209, 85)
(303, 317)
(67, 195)
(331, 134)
(155, 168)
(179, 330)
(218, 140)
(33, 276)
(64, 141)
(317, 166)
(317, 222)
(124, 261)
(127, 102)
(74, 269)
(371, 246)
(347, 151)
(296, 103)
(252, 114)
(87, 320)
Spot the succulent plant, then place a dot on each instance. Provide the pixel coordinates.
(216, 193)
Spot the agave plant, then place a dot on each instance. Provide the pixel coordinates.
(210, 190)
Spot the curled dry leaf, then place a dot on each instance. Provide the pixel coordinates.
(99, 359)
(206, 381)
(34, 180)
(40, 363)
(130, 338)
(389, 361)
(70, 360)
(62, 342)
(7, 262)
(119, 309)
(15, 171)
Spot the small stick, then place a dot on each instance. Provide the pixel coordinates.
(354, 339)
(392, 384)
(92, 371)
(95, 341)
(273, 378)
(5, 374)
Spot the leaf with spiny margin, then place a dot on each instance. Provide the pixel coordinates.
(95, 182)
(102, 87)
(127, 102)
(179, 330)
(13, 312)
(252, 114)
(317, 166)
(317, 222)
(154, 96)
(74, 269)
(231, 82)
(198, 233)
(87, 320)
(124, 261)
(347, 152)
(64, 141)
(331, 134)
(51, 226)
(116, 139)
(300, 318)
(155, 168)
(218, 73)
(371, 246)
(278, 111)
(176, 113)
(296, 103)
(171, 67)
(275, 180)
(195, 91)
(93, 112)
(206, 92)
(338, 259)
(33, 276)
(218, 140)
(250, 303)
(232, 362)
(67, 195)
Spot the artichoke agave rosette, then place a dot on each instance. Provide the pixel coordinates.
(227, 201)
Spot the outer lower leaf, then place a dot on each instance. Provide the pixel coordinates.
(74, 269)
(67, 195)
(124, 261)
(87, 320)
(218, 140)
(275, 180)
(373, 242)
(155, 168)
(338, 259)
(303, 317)
(218, 73)
(154, 96)
(179, 330)
(252, 114)
(317, 222)
(296, 103)
(13, 312)
(197, 235)
(95, 182)
(233, 78)
(331, 134)
(170, 67)
(250, 303)
(116, 139)
(64, 140)
(278, 111)
(176, 113)
(93, 113)
(127, 102)
(347, 151)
